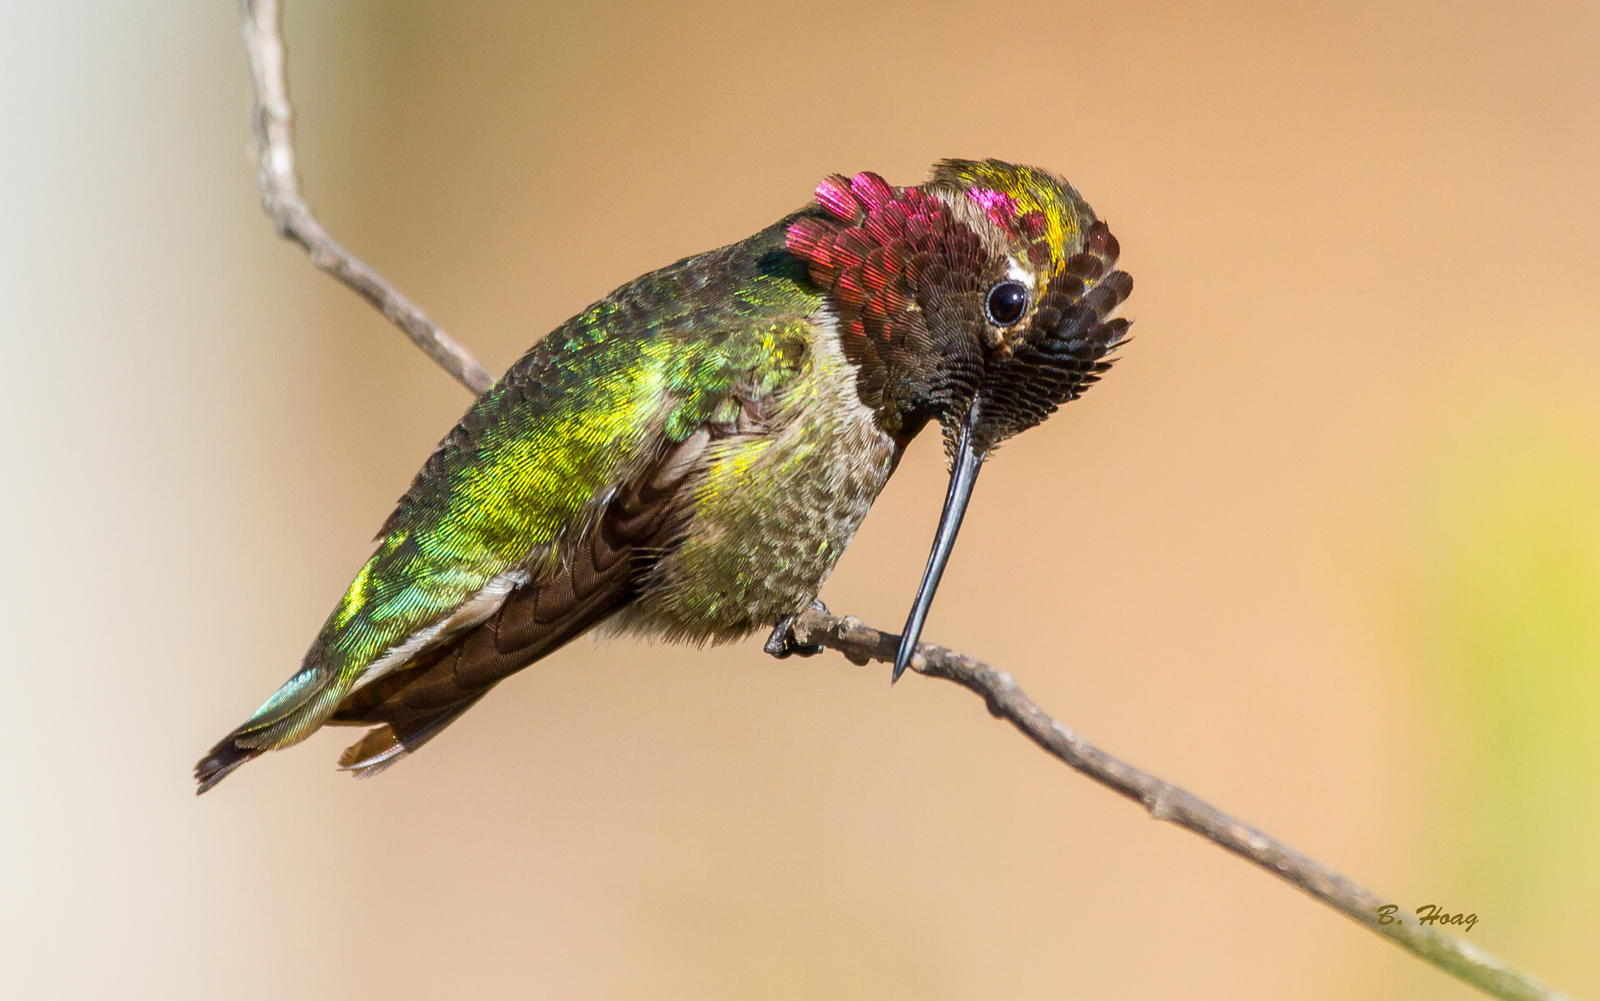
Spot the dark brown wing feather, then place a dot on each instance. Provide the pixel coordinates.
(409, 707)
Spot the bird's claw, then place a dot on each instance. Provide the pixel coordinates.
(781, 643)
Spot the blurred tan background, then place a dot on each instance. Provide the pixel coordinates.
(1325, 547)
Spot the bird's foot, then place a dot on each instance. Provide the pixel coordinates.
(781, 643)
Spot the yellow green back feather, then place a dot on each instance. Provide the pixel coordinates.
(534, 459)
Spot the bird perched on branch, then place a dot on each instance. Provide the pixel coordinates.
(689, 457)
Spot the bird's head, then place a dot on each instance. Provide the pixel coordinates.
(981, 300)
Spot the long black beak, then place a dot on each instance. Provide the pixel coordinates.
(962, 477)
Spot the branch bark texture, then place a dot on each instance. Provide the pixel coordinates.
(273, 121)
(280, 196)
(1174, 804)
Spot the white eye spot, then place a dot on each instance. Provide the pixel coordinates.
(1018, 273)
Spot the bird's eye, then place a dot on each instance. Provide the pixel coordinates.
(1006, 303)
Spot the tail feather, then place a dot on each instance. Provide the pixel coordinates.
(222, 759)
(293, 712)
(384, 745)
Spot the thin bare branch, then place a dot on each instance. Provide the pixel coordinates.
(280, 194)
(1165, 801)
(273, 121)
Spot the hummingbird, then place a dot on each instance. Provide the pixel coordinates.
(688, 458)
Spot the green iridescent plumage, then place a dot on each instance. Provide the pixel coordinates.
(689, 457)
(531, 458)
(534, 459)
